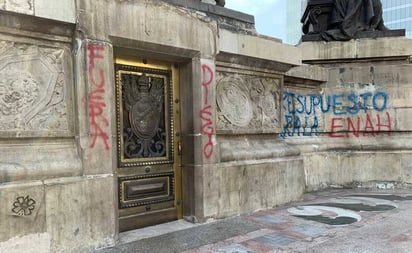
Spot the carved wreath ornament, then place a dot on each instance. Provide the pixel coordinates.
(246, 102)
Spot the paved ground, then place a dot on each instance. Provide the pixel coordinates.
(330, 221)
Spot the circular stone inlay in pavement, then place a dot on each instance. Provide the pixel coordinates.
(326, 214)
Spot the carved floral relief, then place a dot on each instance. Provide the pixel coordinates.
(32, 88)
(24, 206)
(247, 102)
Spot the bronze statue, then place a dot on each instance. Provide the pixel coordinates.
(351, 16)
(344, 20)
(221, 2)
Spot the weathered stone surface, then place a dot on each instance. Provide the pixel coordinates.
(35, 90)
(348, 168)
(361, 35)
(80, 213)
(324, 143)
(387, 88)
(403, 119)
(358, 100)
(139, 22)
(65, 214)
(22, 211)
(209, 1)
(320, 170)
(244, 188)
(96, 107)
(209, 7)
(248, 103)
(232, 159)
(258, 47)
(62, 10)
(356, 49)
(205, 108)
(26, 28)
(307, 73)
(406, 168)
(376, 166)
(298, 117)
(33, 243)
(361, 113)
(248, 147)
(39, 161)
(20, 6)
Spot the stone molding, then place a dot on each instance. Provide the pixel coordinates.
(340, 51)
(214, 10)
(61, 10)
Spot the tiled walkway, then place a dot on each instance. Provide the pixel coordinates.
(332, 221)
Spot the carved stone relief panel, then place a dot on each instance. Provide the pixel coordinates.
(33, 93)
(248, 103)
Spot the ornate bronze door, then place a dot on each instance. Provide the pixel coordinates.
(148, 143)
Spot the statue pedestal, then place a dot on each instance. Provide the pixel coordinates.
(316, 17)
(361, 35)
(370, 145)
(394, 49)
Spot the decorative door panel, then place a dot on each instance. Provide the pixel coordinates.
(147, 161)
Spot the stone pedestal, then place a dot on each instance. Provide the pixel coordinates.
(352, 127)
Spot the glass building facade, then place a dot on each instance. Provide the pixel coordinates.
(397, 14)
(295, 9)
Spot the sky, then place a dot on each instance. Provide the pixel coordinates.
(270, 15)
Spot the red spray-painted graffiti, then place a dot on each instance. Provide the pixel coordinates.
(95, 97)
(205, 114)
(345, 128)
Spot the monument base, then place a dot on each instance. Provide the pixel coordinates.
(360, 35)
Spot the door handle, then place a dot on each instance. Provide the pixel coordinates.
(179, 148)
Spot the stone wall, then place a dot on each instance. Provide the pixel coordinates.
(352, 126)
(253, 135)
(62, 10)
(255, 169)
(48, 193)
(58, 138)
